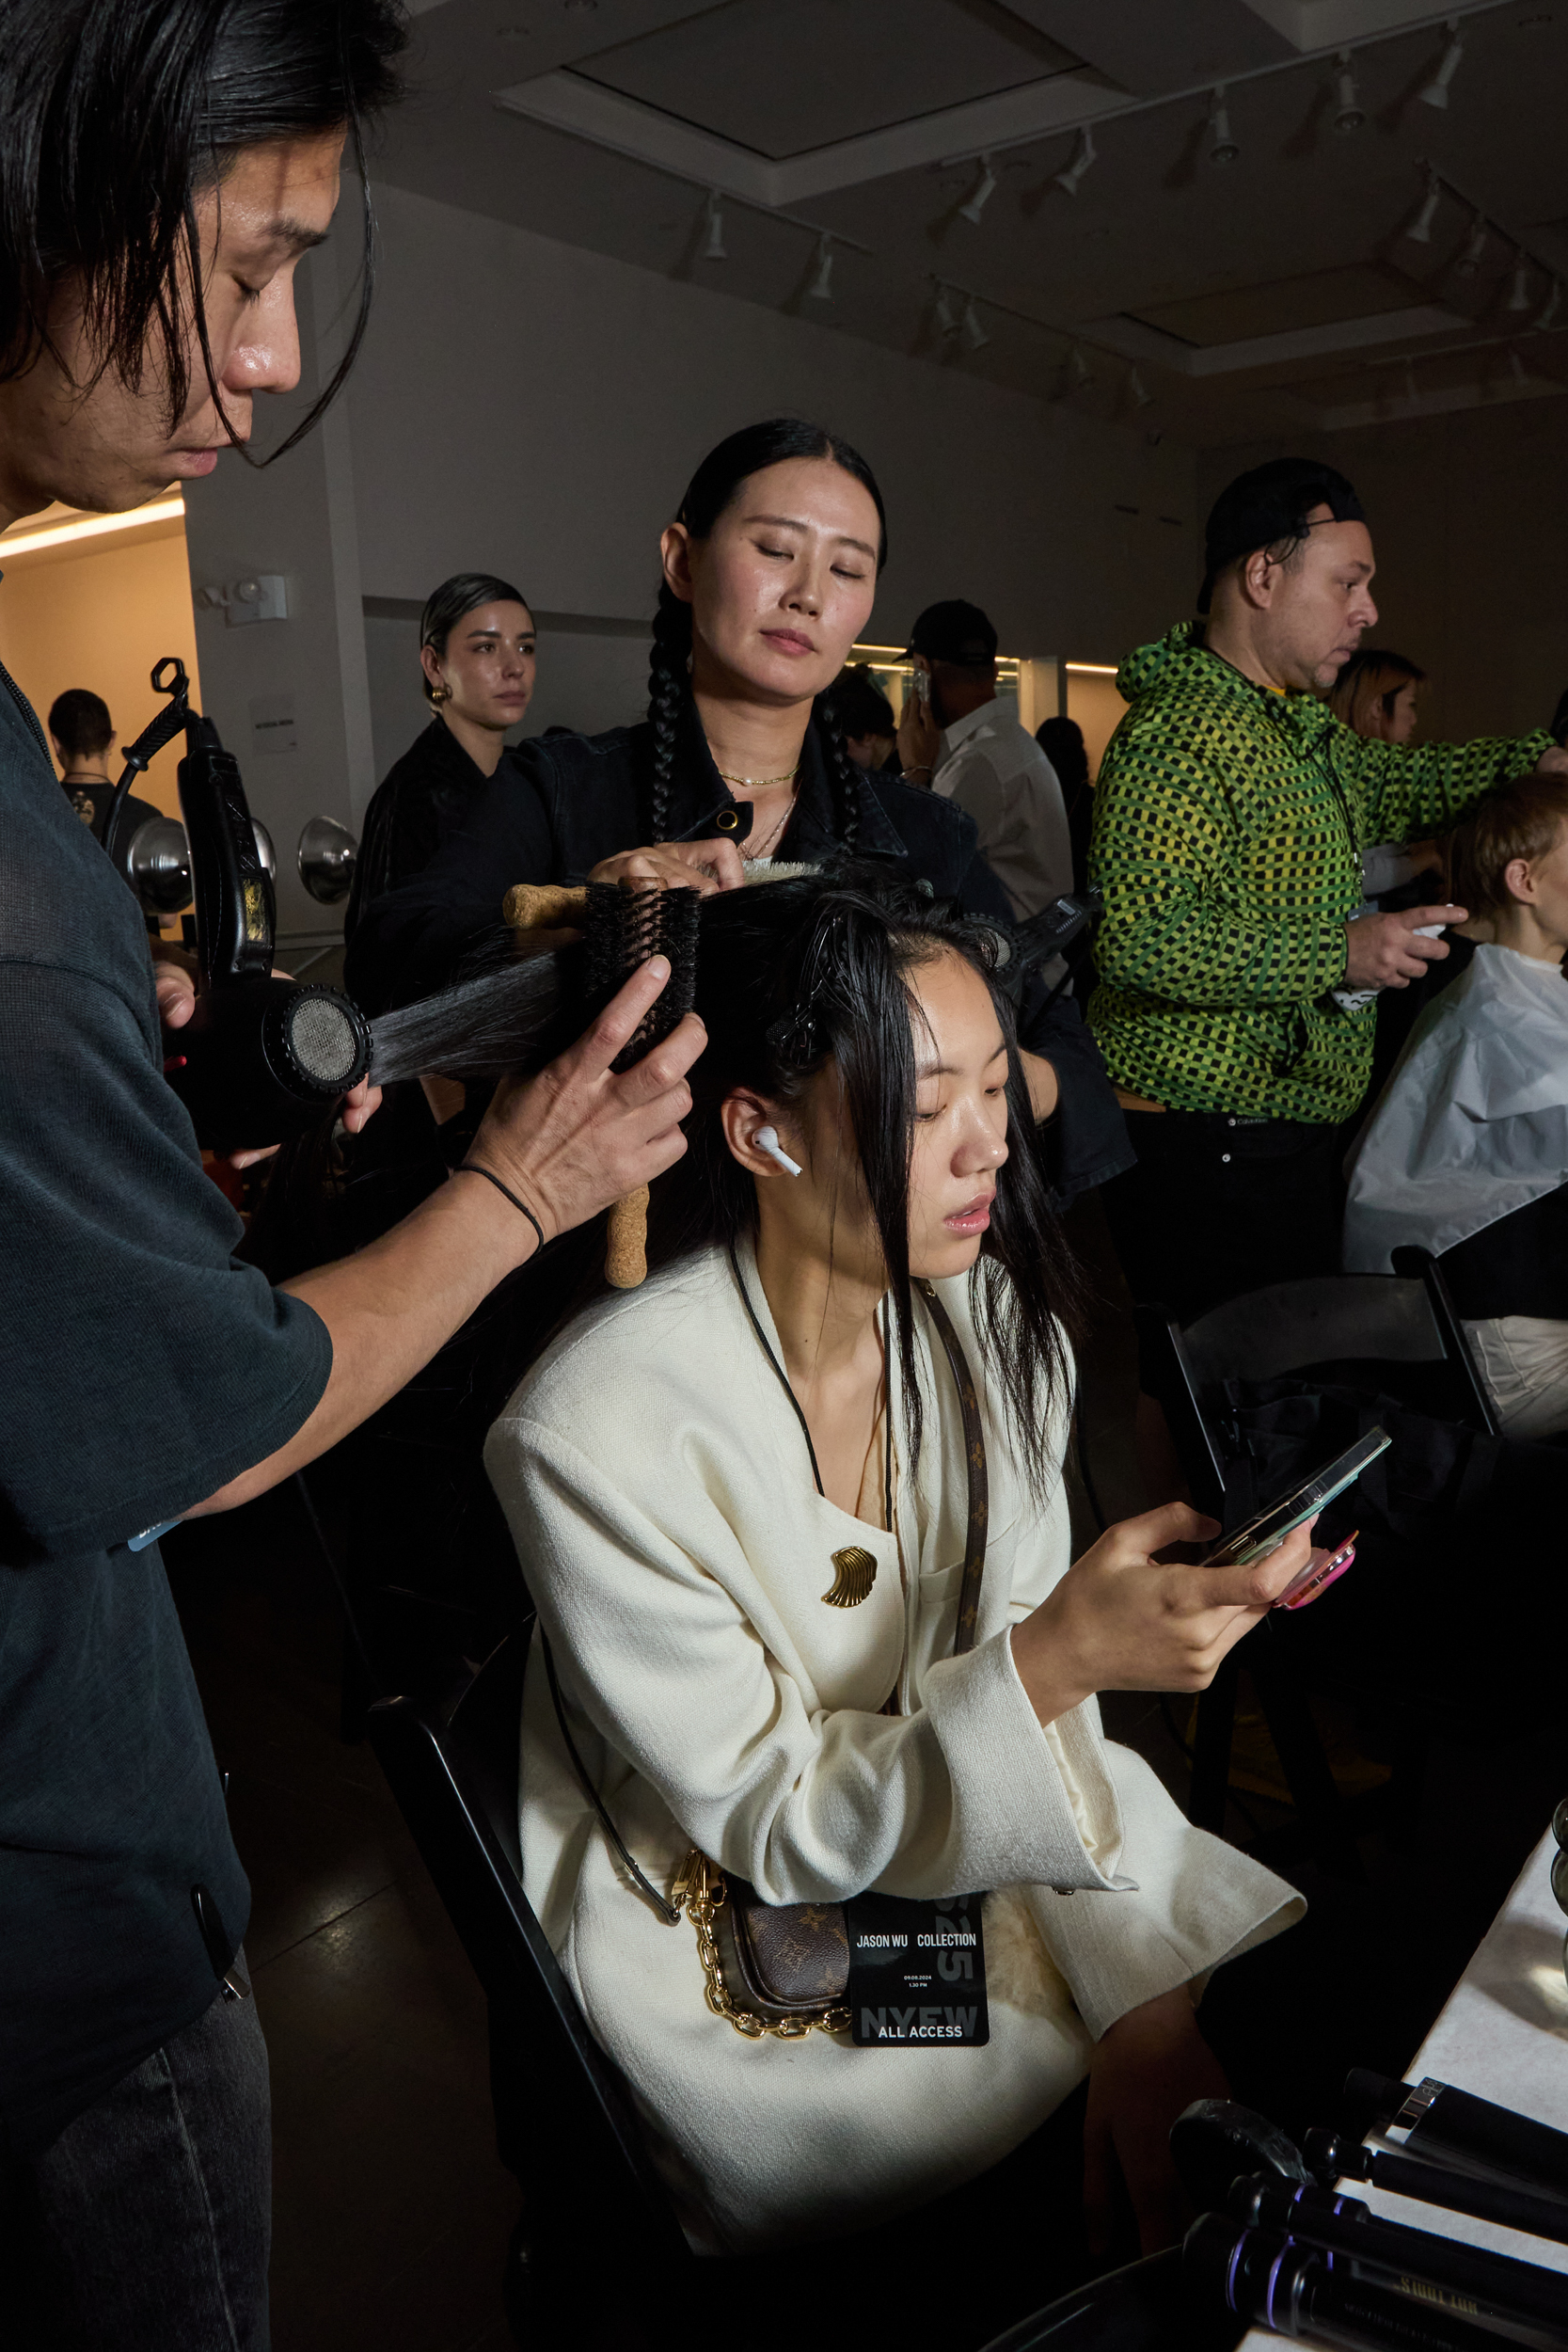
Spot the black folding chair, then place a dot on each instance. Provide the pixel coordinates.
(1399, 1333)
(565, 2120)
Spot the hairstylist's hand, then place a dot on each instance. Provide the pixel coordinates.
(1383, 951)
(578, 1138)
(700, 865)
(1145, 2069)
(1553, 763)
(1122, 1620)
(176, 993)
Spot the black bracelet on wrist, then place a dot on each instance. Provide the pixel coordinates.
(471, 1168)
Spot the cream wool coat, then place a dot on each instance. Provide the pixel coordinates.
(658, 1488)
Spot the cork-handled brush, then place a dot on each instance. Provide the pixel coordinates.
(622, 925)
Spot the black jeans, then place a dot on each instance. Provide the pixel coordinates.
(1217, 1205)
(146, 2225)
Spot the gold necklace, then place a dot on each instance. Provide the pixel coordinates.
(760, 784)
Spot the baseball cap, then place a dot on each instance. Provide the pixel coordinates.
(1271, 503)
(953, 631)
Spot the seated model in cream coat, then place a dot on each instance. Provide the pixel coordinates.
(660, 1486)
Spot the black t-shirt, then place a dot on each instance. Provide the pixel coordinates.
(142, 1368)
(426, 796)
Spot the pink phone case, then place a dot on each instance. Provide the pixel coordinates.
(1324, 1568)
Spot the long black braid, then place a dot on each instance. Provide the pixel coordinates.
(669, 684)
(712, 487)
(842, 773)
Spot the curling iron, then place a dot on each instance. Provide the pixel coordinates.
(1455, 2128)
(259, 1058)
(1522, 2299)
(1299, 2291)
(1215, 2141)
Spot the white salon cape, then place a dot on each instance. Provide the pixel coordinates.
(1473, 1123)
(658, 1484)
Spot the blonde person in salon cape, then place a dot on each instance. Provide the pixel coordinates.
(680, 1470)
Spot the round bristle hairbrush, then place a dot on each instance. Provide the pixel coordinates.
(622, 924)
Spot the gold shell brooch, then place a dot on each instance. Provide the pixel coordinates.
(857, 1573)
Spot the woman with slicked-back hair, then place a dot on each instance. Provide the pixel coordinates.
(476, 651)
(164, 165)
(770, 573)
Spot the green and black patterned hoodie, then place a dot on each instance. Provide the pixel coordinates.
(1228, 822)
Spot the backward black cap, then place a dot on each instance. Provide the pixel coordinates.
(1271, 503)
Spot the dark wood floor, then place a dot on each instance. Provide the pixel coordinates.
(392, 2214)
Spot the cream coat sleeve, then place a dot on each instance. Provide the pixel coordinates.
(670, 1642)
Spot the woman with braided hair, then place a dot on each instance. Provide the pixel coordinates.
(770, 573)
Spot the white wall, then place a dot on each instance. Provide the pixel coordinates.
(529, 408)
(1469, 520)
(526, 406)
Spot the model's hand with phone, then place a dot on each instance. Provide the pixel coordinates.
(1122, 1619)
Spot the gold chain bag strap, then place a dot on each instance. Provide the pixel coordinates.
(789, 1962)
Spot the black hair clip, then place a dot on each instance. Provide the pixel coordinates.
(797, 1036)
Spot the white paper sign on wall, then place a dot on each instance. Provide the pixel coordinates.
(272, 723)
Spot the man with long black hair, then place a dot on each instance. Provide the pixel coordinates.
(164, 164)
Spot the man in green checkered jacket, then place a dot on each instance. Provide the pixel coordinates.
(1234, 1008)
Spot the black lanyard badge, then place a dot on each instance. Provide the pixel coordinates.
(917, 1973)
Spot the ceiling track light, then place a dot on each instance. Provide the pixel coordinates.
(1349, 112)
(1517, 369)
(1418, 228)
(1436, 91)
(1223, 147)
(1083, 155)
(821, 287)
(1547, 324)
(1474, 254)
(985, 189)
(714, 250)
(942, 318)
(1083, 375)
(1518, 295)
(970, 328)
(1137, 390)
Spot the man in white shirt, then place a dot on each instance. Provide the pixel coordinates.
(965, 740)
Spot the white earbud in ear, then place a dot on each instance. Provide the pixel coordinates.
(766, 1140)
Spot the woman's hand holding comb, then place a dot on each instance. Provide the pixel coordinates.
(579, 1137)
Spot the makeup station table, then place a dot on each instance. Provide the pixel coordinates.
(1503, 2034)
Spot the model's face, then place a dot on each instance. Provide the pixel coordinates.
(783, 584)
(1401, 714)
(111, 447)
(488, 665)
(1315, 612)
(961, 1133)
(961, 1140)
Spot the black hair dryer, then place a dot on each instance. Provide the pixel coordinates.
(259, 1058)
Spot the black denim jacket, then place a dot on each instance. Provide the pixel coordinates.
(559, 804)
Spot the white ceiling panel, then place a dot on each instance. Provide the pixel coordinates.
(1283, 276)
(783, 81)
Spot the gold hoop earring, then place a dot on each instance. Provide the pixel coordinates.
(439, 695)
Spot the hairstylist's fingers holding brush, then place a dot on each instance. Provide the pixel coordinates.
(579, 1137)
(1123, 1620)
(704, 867)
